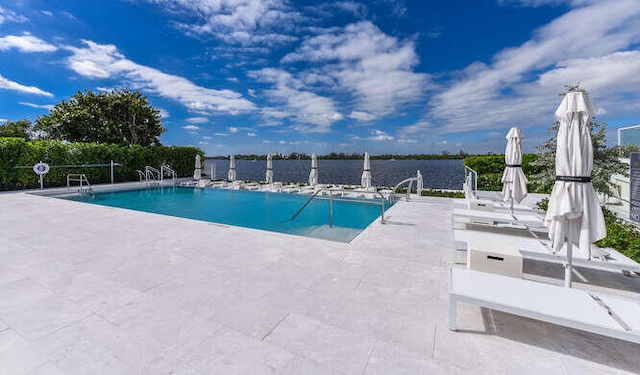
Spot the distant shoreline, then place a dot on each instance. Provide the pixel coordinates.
(342, 157)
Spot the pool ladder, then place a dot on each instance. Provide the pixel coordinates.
(331, 198)
(166, 170)
(153, 177)
(84, 185)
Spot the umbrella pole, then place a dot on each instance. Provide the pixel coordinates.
(512, 205)
(569, 264)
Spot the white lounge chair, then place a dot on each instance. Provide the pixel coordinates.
(587, 311)
(491, 205)
(473, 202)
(292, 188)
(218, 184)
(203, 183)
(250, 186)
(537, 249)
(497, 218)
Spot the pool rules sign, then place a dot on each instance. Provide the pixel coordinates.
(634, 187)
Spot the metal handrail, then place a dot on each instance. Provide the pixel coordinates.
(331, 191)
(152, 175)
(410, 181)
(81, 178)
(143, 177)
(468, 171)
(169, 170)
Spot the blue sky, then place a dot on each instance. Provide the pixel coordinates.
(384, 76)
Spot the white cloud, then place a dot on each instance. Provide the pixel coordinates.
(47, 13)
(220, 134)
(33, 105)
(197, 120)
(7, 15)
(15, 86)
(405, 140)
(206, 137)
(434, 33)
(312, 112)
(418, 129)
(243, 22)
(25, 43)
(251, 134)
(375, 68)
(589, 43)
(3, 120)
(232, 129)
(619, 69)
(104, 61)
(191, 127)
(266, 141)
(163, 113)
(361, 116)
(376, 135)
(68, 15)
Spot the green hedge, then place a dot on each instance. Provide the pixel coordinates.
(17, 151)
(621, 236)
(491, 167)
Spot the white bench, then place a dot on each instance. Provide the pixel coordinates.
(587, 311)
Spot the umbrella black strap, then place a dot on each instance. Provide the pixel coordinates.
(514, 165)
(573, 178)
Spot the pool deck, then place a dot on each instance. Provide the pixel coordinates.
(88, 289)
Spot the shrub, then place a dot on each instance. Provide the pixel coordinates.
(491, 167)
(19, 152)
(442, 193)
(621, 236)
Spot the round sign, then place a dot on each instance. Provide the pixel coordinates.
(41, 168)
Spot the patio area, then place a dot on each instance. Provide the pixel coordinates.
(88, 289)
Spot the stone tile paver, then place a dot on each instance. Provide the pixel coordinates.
(90, 289)
(337, 348)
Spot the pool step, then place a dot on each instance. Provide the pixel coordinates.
(326, 232)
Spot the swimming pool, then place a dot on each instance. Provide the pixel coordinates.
(250, 209)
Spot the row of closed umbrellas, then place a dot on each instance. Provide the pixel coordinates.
(574, 216)
(313, 174)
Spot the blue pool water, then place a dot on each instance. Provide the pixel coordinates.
(258, 210)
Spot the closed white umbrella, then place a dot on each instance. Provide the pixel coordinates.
(365, 181)
(269, 176)
(514, 182)
(419, 183)
(197, 173)
(313, 175)
(574, 215)
(232, 168)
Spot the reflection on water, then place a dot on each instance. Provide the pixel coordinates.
(443, 174)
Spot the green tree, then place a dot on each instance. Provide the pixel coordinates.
(20, 129)
(119, 117)
(606, 161)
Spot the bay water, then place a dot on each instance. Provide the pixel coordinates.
(438, 174)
